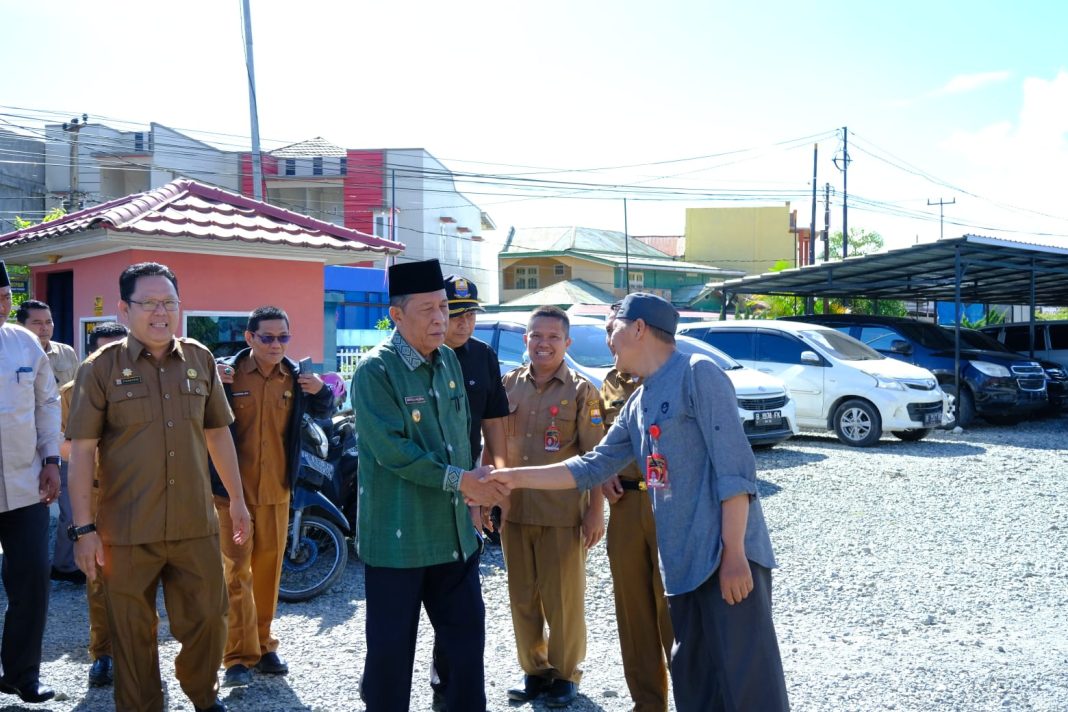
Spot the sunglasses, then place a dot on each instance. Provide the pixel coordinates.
(271, 338)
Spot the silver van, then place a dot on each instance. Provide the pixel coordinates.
(1051, 339)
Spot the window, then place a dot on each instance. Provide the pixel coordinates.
(879, 338)
(222, 332)
(511, 351)
(1018, 338)
(526, 278)
(317, 166)
(779, 348)
(558, 270)
(343, 168)
(1058, 336)
(291, 166)
(737, 344)
(380, 227)
(636, 280)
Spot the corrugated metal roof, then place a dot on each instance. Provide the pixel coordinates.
(672, 245)
(578, 239)
(566, 293)
(312, 148)
(994, 271)
(187, 208)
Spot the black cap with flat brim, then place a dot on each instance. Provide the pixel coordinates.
(4, 280)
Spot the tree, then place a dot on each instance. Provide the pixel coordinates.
(861, 242)
(19, 270)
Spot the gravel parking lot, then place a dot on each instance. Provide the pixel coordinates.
(914, 576)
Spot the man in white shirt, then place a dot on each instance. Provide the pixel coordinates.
(29, 482)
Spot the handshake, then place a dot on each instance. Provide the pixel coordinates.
(486, 487)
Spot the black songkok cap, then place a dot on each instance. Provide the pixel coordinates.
(4, 281)
(462, 295)
(653, 310)
(415, 278)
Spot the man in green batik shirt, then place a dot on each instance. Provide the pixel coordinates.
(415, 535)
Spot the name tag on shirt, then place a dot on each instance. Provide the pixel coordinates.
(238, 394)
(414, 400)
(127, 381)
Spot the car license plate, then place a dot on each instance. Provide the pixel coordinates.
(932, 418)
(767, 418)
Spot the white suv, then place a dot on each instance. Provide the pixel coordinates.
(764, 405)
(835, 381)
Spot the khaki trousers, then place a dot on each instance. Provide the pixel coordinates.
(195, 596)
(252, 572)
(99, 634)
(547, 585)
(642, 615)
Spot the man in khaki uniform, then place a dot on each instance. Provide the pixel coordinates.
(100, 672)
(269, 396)
(642, 614)
(153, 406)
(555, 414)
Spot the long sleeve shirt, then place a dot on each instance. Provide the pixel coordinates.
(29, 416)
(708, 461)
(412, 420)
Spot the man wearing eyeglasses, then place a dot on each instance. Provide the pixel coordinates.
(151, 408)
(269, 396)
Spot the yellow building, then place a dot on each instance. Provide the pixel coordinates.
(751, 240)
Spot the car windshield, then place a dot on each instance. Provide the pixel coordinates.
(690, 345)
(927, 335)
(588, 346)
(841, 345)
(977, 340)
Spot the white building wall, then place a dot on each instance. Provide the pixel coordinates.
(178, 155)
(426, 193)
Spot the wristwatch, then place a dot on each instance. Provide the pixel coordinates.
(50, 460)
(75, 533)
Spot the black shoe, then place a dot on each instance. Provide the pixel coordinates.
(236, 676)
(272, 664)
(561, 693)
(529, 687)
(33, 692)
(100, 674)
(438, 703)
(218, 705)
(75, 577)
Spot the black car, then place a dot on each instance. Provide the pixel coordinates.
(1056, 378)
(1001, 387)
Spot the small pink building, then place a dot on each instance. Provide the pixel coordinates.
(229, 252)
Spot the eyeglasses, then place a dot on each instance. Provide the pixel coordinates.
(151, 305)
(271, 338)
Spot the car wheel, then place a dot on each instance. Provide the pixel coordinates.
(912, 436)
(963, 407)
(857, 423)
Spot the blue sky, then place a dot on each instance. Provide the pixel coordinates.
(974, 95)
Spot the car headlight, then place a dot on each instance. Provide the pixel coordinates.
(990, 369)
(888, 383)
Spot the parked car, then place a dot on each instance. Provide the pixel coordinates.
(765, 407)
(836, 382)
(1056, 377)
(1001, 387)
(1051, 339)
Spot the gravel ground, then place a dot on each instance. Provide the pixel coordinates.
(914, 576)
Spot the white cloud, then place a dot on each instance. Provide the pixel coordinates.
(970, 82)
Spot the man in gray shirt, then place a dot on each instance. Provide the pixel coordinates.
(682, 428)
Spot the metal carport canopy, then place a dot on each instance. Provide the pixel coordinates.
(993, 271)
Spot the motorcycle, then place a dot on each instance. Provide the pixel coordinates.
(322, 510)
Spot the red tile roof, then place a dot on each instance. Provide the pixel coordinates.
(185, 207)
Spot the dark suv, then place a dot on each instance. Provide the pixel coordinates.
(1002, 387)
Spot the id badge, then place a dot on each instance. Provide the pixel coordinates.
(552, 439)
(656, 471)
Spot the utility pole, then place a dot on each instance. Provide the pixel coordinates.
(826, 235)
(941, 214)
(74, 127)
(844, 167)
(257, 168)
(626, 250)
(809, 303)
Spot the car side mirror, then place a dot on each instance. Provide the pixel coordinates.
(900, 346)
(812, 358)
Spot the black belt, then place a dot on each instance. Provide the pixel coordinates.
(636, 485)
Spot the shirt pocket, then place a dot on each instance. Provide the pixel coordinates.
(129, 404)
(194, 396)
(567, 422)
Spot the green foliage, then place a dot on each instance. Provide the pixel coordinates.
(1058, 315)
(53, 214)
(384, 324)
(992, 317)
(861, 242)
